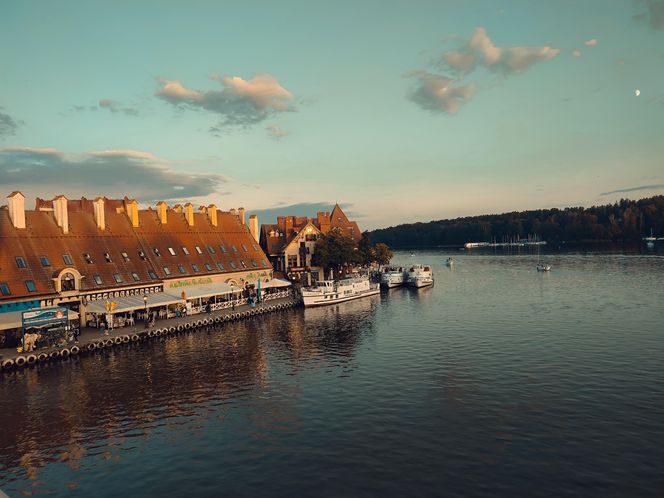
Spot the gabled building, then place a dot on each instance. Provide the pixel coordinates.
(71, 252)
(291, 241)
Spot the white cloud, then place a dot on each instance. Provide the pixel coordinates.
(438, 93)
(592, 42)
(276, 131)
(480, 50)
(240, 102)
(576, 53)
(113, 173)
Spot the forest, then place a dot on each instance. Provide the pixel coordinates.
(625, 220)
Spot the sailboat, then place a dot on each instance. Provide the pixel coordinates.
(650, 241)
(541, 266)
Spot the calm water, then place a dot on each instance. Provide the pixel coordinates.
(498, 380)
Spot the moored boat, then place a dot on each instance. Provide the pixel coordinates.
(449, 262)
(543, 267)
(333, 292)
(420, 276)
(392, 276)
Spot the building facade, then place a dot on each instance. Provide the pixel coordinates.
(290, 243)
(73, 252)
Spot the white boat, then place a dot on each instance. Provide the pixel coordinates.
(339, 291)
(543, 267)
(392, 276)
(420, 276)
(449, 262)
(650, 241)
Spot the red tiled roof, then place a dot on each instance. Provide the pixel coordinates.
(42, 237)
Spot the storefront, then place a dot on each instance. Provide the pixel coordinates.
(126, 311)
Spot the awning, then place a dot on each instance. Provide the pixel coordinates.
(275, 282)
(12, 319)
(135, 302)
(204, 290)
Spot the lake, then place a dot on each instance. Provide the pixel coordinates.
(498, 380)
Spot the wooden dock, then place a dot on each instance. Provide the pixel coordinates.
(92, 339)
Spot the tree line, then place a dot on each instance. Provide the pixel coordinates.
(625, 220)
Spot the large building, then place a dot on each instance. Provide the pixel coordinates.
(72, 253)
(291, 241)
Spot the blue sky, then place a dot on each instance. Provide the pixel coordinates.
(400, 111)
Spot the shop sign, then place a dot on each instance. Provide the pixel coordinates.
(190, 282)
(44, 316)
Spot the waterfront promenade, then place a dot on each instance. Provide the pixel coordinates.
(92, 339)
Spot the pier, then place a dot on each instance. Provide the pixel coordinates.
(92, 340)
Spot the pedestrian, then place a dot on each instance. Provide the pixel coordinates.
(208, 308)
(233, 303)
(102, 327)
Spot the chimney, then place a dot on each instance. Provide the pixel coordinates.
(253, 226)
(212, 214)
(162, 210)
(131, 207)
(241, 215)
(289, 225)
(60, 212)
(17, 209)
(100, 215)
(189, 213)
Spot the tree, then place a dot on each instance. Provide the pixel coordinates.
(365, 249)
(382, 253)
(334, 250)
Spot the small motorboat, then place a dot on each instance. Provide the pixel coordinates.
(543, 267)
(449, 262)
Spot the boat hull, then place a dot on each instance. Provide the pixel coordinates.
(320, 300)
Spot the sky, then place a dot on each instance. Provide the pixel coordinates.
(400, 111)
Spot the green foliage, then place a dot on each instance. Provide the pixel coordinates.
(382, 254)
(368, 253)
(622, 221)
(334, 250)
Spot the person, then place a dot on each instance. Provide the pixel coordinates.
(208, 308)
(102, 327)
(233, 303)
(178, 314)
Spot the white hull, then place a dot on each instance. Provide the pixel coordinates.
(391, 285)
(420, 276)
(392, 278)
(312, 301)
(329, 292)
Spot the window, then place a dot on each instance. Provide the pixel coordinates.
(141, 255)
(220, 265)
(243, 264)
(67, 259)
(253, 263)
(181, 269)
(199, 250)
(233, 265)
(152, 274)
(44, 261)
(292, 261)
(211, 249)
(4, 289)
(166, 270)
(195, 267)
(20, 262)
(208, 266)
(107, 257)
(125, 256)
(117, 277)
(172, 251)
(185, 250)
(255, 247)
(156, 251)
(87, 258)
(223, 248)
(97, 279)
(310, 237)
(135, 276)
(30, 285)
(234, 248)
(244, 248)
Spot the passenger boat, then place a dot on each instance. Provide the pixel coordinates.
(391, 276)
(420, 276)
(339, 291)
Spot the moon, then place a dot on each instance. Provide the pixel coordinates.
(637, 92)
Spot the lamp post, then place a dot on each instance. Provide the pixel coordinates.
(145, 302)
(232, 297)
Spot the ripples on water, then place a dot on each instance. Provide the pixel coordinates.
(499, 380)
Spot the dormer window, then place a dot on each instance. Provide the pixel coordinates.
(171, 251)
(67, 282)
(20, 262)
(233, 248)
(211, 249)
(166, 270)
(107, 257)
(125, 256)
(156, 252)
(223, 248)
(181, 269)
(253, 263)
(185, 250)
(87, 258)
(4, 289)
(135, 276)
(44, 261)
(195, 267)
(244, 248)
(141, 254)
(233, 265)
(220, 265)
(30, 285)
(117, 277)
(208, 266)
(67, 259)
(199, 250)
(97, 279)
(243, 264)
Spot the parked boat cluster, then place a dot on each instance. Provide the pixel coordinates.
(136, 337)
(414, 276)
